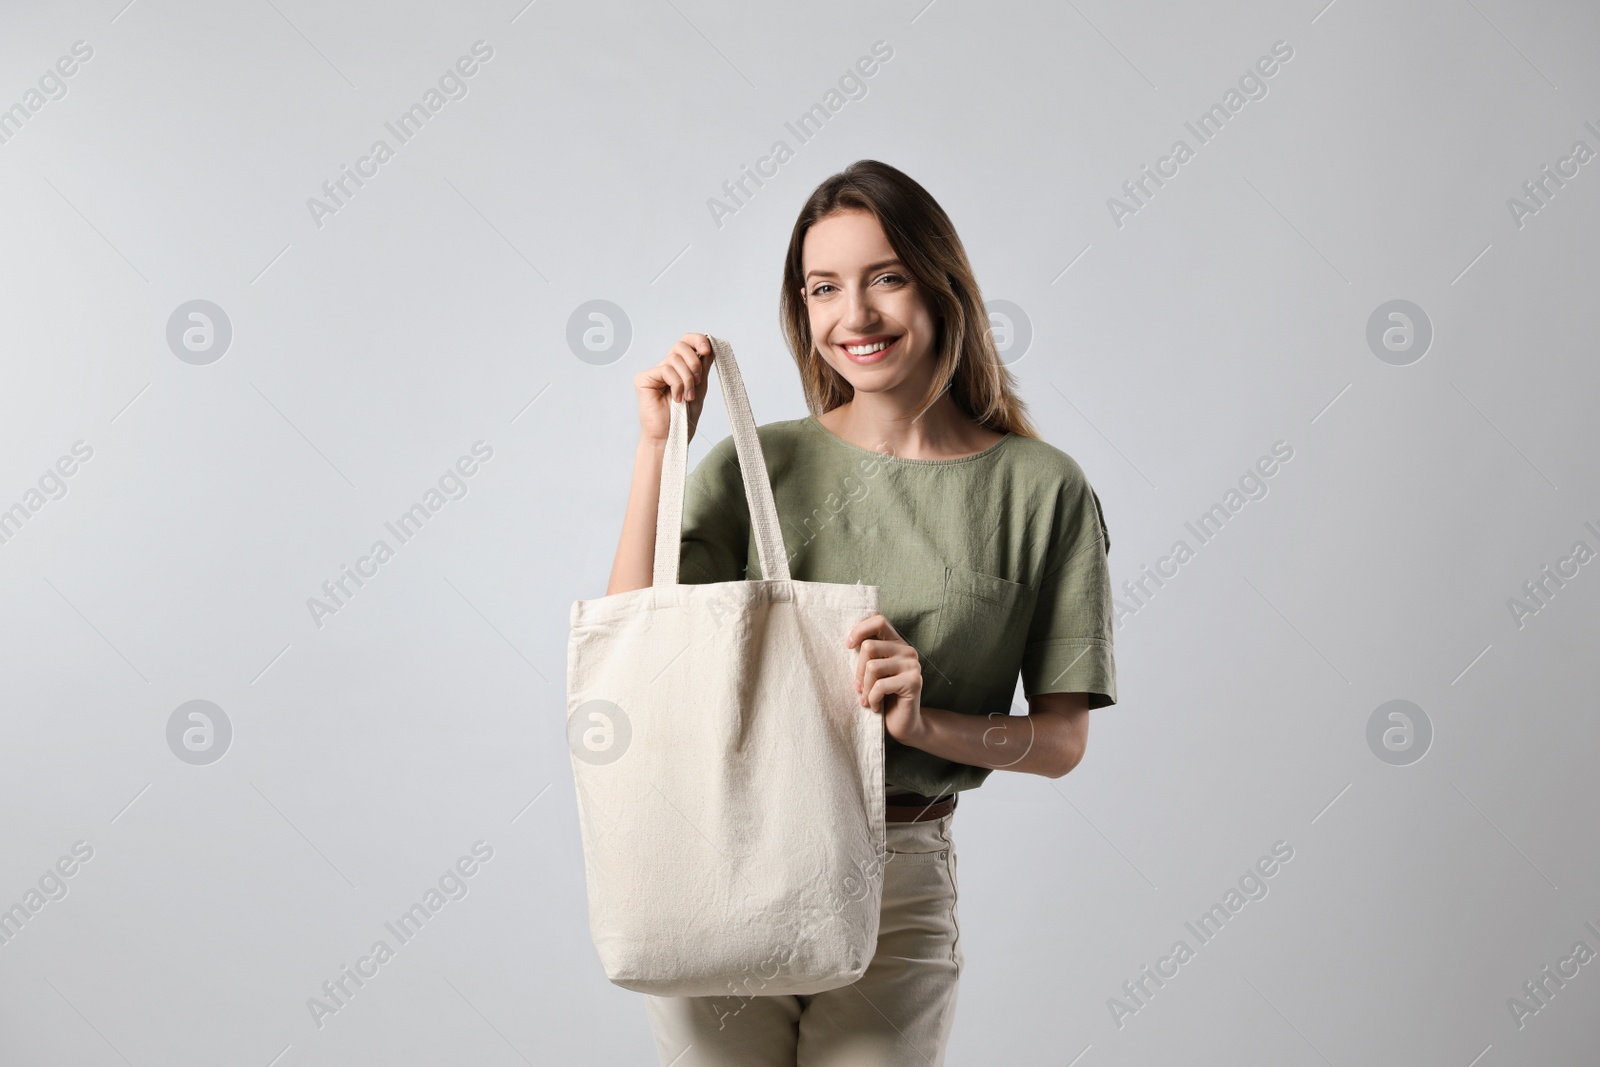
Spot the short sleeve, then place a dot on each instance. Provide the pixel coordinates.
(716, 520)
(1069, 643)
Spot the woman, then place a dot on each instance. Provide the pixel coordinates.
(918, 472)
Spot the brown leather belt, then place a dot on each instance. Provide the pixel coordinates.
(914, 807)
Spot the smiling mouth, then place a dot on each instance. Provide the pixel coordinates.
(873, 352)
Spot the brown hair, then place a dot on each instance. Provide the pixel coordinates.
(924, 238)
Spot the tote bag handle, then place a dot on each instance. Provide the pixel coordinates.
(757, 487)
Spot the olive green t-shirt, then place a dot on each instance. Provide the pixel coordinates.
(989, 565)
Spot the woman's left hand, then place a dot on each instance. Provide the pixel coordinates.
(888, 676)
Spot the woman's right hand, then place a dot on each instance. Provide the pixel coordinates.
(681, 376)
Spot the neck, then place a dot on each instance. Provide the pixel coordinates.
(874, 421)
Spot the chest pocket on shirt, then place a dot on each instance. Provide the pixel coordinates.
(977, 653)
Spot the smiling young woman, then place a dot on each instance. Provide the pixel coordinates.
(989, 547)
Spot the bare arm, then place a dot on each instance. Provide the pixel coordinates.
(634, 567)
(1049, 740)
(681, 376)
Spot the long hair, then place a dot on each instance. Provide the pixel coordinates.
(921, 234)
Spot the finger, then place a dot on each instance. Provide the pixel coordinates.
(902, 666)
(694, 369)
(693, 350)
(885, 674)
(686, 363)
(879, 650)
(865, 656)
(703, 371)
(866, 674)
(673, 378)
(887, 664)
(867, 627)
(888, 656)
(882, 690)
(680, 375)
(682, 355)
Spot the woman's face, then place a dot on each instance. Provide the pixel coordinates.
(869, 320)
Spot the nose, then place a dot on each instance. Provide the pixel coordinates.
(859, 314)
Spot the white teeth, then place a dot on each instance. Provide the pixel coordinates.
(866, 350)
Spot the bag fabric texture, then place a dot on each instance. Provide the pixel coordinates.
(730, 787)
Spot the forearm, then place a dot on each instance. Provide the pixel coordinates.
(1033, 744)
(634, 567)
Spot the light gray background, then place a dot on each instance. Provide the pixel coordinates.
(1168, 354)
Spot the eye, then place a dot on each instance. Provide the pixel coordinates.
(819, 288)
(891, 277)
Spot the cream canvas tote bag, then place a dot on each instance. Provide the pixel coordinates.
(729, 784)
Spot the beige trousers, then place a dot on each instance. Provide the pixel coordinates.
(898, 1013)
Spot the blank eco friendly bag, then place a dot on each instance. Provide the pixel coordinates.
(729, 784)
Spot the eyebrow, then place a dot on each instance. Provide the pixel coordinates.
(869, 269)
